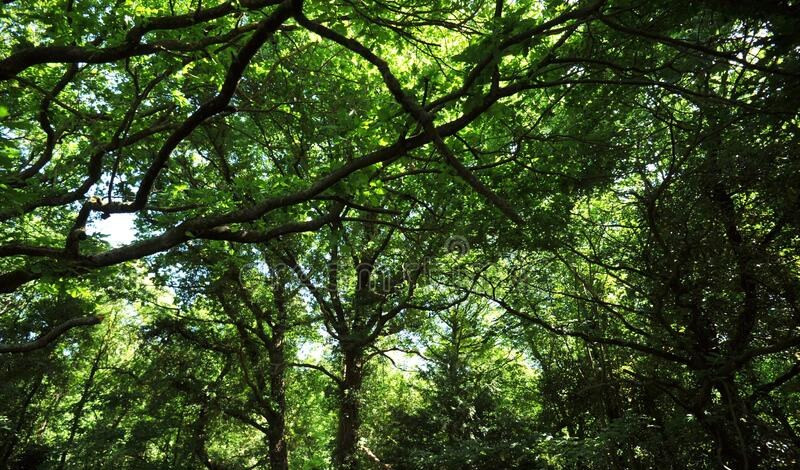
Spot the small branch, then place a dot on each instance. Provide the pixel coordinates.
(374, 457)
(767, 388)
(319, 368)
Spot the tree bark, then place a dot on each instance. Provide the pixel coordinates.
(278, 455)
(349, 419)
(737, 437)
(729, 426)
(80, 405)
(8, 449)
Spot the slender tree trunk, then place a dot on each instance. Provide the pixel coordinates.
(737, 434)
(79, 407)
(729, 428)
(8, 449)
(201, 436)
(730, 455)
(349, 420)
(51, 410)
(278, 454)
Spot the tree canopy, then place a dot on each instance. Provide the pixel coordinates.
(399, 234)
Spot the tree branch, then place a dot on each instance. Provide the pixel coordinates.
(49, 337)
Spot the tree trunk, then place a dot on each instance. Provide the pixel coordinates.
(278, 455)
(349, 422)
(80, 406)
(8, 449)
(729, 426)
(737, 439)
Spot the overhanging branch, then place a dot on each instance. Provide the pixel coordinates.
(52, 335)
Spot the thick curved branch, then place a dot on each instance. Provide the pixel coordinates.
(52, 335)
(95, 168)
(12, 280)
(765, 389)
(254, 236)
(28, 57)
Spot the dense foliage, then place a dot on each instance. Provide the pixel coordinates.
(399, 234)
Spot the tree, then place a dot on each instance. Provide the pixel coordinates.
(361, 300)
(472, 388)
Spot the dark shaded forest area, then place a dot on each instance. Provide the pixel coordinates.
(399, 234)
